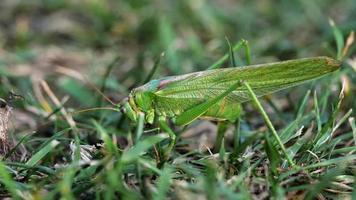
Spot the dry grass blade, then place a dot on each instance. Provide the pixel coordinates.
(349, 41)
(56, 101)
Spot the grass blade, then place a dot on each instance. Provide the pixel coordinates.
(141, 147)
(9, 183)
(163, 184)
(339, 38)
(154, 69)
(42, 153)
(219, 62)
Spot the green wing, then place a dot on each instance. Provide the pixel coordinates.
(177, 94)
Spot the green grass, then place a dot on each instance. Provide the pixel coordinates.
(114, 46)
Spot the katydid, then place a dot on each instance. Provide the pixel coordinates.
(217, 94)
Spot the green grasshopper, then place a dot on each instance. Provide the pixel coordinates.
(217, 94)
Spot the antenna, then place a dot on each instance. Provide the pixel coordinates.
(75, 74)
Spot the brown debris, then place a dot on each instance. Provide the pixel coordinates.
(6, 145)
(5, 112)
(200, 137)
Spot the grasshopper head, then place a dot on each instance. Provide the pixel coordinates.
(144, 95)
(137, 102)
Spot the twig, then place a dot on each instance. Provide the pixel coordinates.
(55, 100)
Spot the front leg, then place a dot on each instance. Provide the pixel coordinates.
(173, 139)
(222, 127)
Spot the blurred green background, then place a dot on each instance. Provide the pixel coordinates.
(87, 35)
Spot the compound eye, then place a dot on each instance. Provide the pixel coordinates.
(122, 110)
(3, 103)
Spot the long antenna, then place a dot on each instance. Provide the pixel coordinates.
(100, 92)
(76, 74)
(94, 109)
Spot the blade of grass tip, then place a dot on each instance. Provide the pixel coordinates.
(269, 124)
(247, 51)
(287, 133)
(42, 153)
(140, 147)
(342, 120)
(303, 105)
(163, 184)
(7, 180)
(353, 127)
(317, 111)
(247, 142)
(328, 125)
(167, 36)
(219, 62)
(55, 136)
(294, 129)
(339, 38)
(23, 139)
(155, 67)
(292, 151)
(45, 148)
(349, 41)
(111, 147)
(231, 52)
